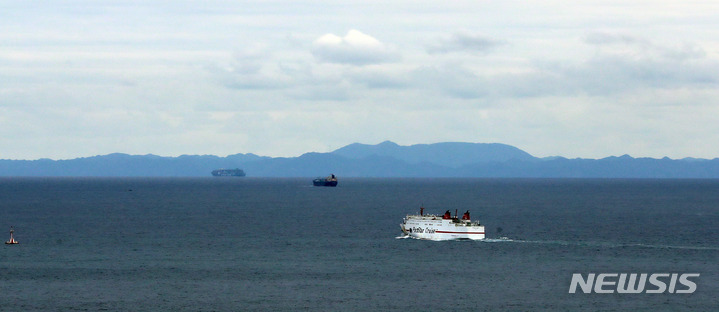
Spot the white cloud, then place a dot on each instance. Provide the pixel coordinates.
(355, 48)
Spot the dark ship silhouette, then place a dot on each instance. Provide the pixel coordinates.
(328, 181)
(228, 173)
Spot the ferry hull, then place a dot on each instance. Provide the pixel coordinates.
(436, 228)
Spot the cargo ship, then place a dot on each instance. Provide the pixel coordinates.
(444, 227)
(228, 173)
(328, 181)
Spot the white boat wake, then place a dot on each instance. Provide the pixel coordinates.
(505, 239)
(497, 240)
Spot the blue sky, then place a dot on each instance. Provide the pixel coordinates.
(279, 78)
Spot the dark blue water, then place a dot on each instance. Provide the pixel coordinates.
(244, 244)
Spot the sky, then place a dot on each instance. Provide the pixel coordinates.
(278, 78)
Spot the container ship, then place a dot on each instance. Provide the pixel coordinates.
(328, 181)
(228, 173)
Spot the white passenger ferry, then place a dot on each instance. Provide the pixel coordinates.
(444, 227)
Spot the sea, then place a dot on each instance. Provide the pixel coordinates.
(280, 244)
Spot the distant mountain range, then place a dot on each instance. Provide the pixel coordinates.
(387, 159)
